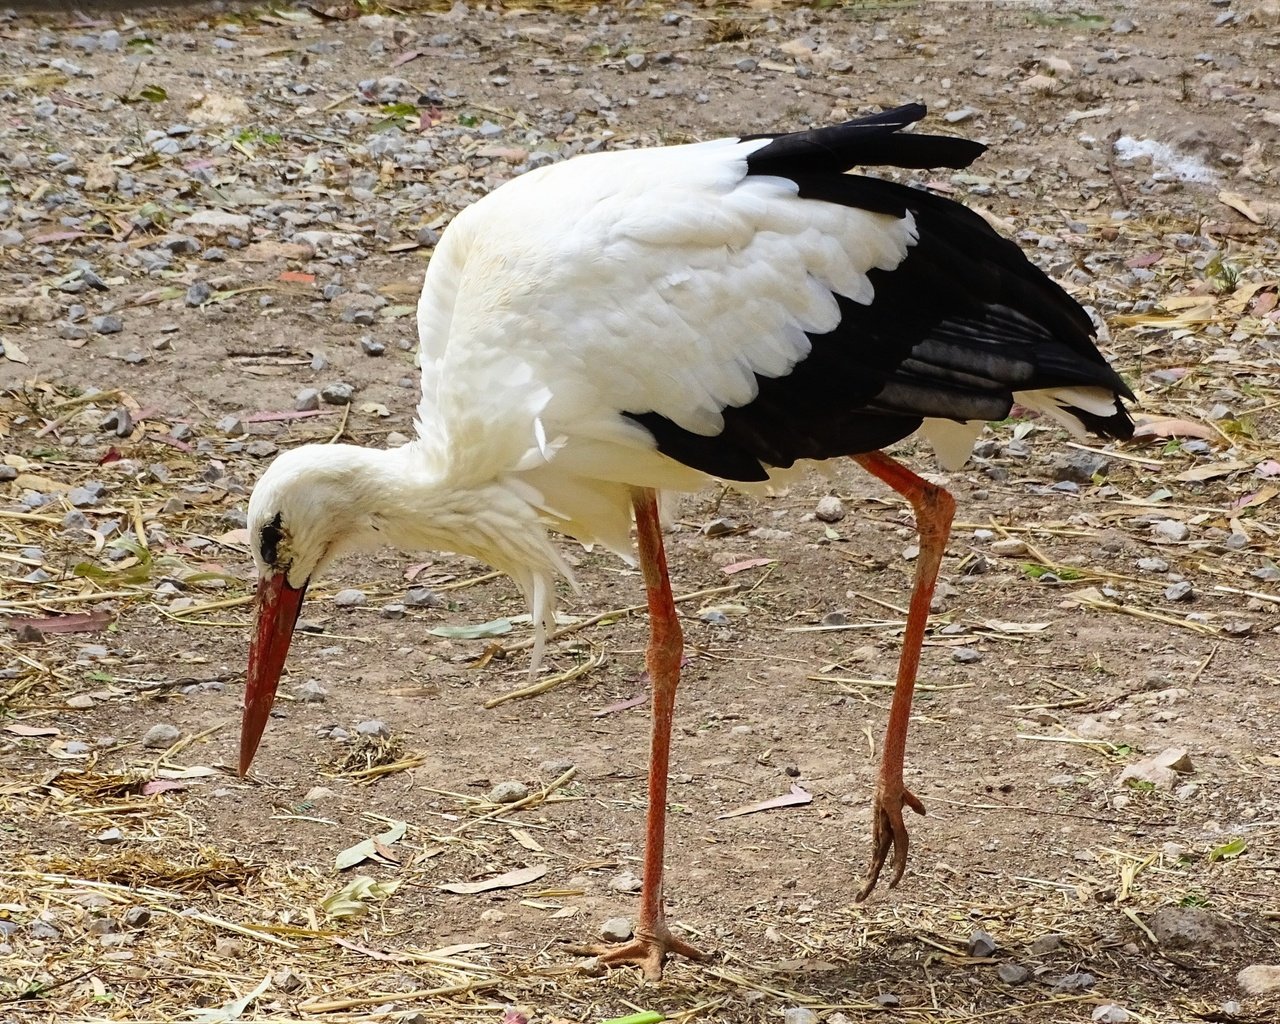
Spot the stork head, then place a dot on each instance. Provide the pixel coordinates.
(311, 505)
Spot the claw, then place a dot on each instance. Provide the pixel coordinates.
(648, 951)
(889, 832)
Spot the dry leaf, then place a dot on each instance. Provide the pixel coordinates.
(78, 622)
(367, 848)
(507, 880)
(796, 798)
(1241, 205)
(750, 563)
(1171, 426)
(13, 353)
(22, 729)
(1198, 474)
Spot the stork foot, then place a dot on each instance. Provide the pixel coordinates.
(889, 832)
(648, 951)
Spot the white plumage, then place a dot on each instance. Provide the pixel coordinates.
(632, 322)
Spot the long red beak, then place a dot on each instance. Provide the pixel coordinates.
(278, 608)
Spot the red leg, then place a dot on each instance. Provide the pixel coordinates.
(653, 941)
(934, 509)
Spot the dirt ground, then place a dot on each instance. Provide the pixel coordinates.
(147, 883)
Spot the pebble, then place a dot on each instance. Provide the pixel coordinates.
(306, 400)
(423, 597)
(829, 509)
(1076, 981)
(1110, 1013)
(982, 943)
(1259, 979)
(617, 929)
(835, 619)
(350, 598)
(80, 702)
(394, 610)
(198, 294)
(625, 882)
(1078, 467)
(799, 1015)
(43, 931)
(136, 917)
(312, 692)
(338, 393)
(370, 347)
(1179, 592)
(1192, 928)
(110, 836)
(1013, 974)
(1050, 943)
(103, 926)
(1161, 770)
(231, 426)
(373, 727)
(1153, 565)
(1009, 547)
(636, 61)
(966, 655)
(161, 736)
(554, 767)
(284, 980)
(508, 792)
(1170, 531)
(82, 497)
(108, 323)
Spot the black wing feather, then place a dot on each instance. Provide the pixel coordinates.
(963, 322)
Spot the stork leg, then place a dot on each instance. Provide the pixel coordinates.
(653, 941)
(934, 509)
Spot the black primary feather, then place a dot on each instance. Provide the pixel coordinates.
(963, 322)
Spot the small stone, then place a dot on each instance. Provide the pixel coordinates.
(636, 61)
(311, 692)
(625, 882)
(617, 929)
(136, 917)
(1179, 592)
(110, 836)
(103, 926)
(1153, 565)
(1078, 467)
(373, 727)
(43, 931)
(1009, 547)
(1192, 928)
(747, 64)
(1045, 944)
(394, 610)
(1123, 26)
(982, 943)
(1259, 979)
(1110, 1013)
(338, 393)
(554, 767)
(231, 426)
(829, 509)
(228, 948)
(799, 1015)
(1076, 981)
(966, 655)
(1170, 531)
(284, 980)
(108, 323)
(424, 597)
(306, 400)
(835, 619)
(80, 702)
(316, 794)
(350, 598)
(161, 736)
(198, 294)
(508, 792)
(370, 347)
(888, 1000)
(82, 497)
(1013, 974)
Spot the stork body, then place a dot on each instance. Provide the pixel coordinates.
(624, 323)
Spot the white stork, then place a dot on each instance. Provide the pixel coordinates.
(629, 322)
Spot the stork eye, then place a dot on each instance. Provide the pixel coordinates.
(269, 538)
